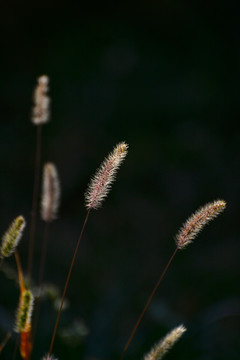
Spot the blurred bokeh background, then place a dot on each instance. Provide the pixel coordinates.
(164, 77)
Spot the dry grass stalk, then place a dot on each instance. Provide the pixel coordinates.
(185, 236)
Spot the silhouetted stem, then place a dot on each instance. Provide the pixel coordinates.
(16, 347)
(67, 282)
(41, 277)
(43, 256)
(4, 341)
(148, 302)
(20, 272)
(34, 201)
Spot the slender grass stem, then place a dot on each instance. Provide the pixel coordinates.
(41, 277)
(67, 282)
(4, 341)
(34, 200)
(43, 256)
(16, 347)
(21, 281)
(148, 302)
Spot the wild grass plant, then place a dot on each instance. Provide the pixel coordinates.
(30, 297)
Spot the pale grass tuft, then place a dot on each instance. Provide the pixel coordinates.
(40, 114)
(12, 237)
(24, 312)
(161, 348)
(100, 184)
(50, 192)
(197, 221)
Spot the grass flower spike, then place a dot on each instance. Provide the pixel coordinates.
(161, 348)
(197, 221)
(40, 114)
(23, 324)
(97, 191)
(185, 236)
(100, 184)
(24, 312)
(50, 192)
(12, 237)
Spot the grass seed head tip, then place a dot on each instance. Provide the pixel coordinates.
(24, 312)
(197, 221)
(50, 192)
(12, 237)
(164, 345)
(101, 182)
(40, 113)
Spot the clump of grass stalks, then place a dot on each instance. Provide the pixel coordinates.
(97, 191)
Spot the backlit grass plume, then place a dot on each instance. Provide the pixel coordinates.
(23, 324)
(40, 114)
(161, 348)
(12, 237)
(50, 192)
(97, 191)
(24, 312)
(184, 237)
(100, 184)
(197, 221)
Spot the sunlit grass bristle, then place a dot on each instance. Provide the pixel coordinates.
(24, 312)
(101, 182)
(197, 221)
(164, 345)
(50, 192)
(12, 237)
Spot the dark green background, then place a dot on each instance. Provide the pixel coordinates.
(164, 77)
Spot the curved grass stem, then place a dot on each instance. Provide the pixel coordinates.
(148, 302)
(40, 278)
(67, 283)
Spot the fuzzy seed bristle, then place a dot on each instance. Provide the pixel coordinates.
(12, 237)
(197, 221)
(24, 312)
(50, 192)
(161, 348)
(40, 113)
(100, 184)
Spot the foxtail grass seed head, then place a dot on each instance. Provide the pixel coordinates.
(100, 184)
(12, 237)
(40, 113)
(24, 312)
(50, 192)
(197, 221)
(161, 348)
